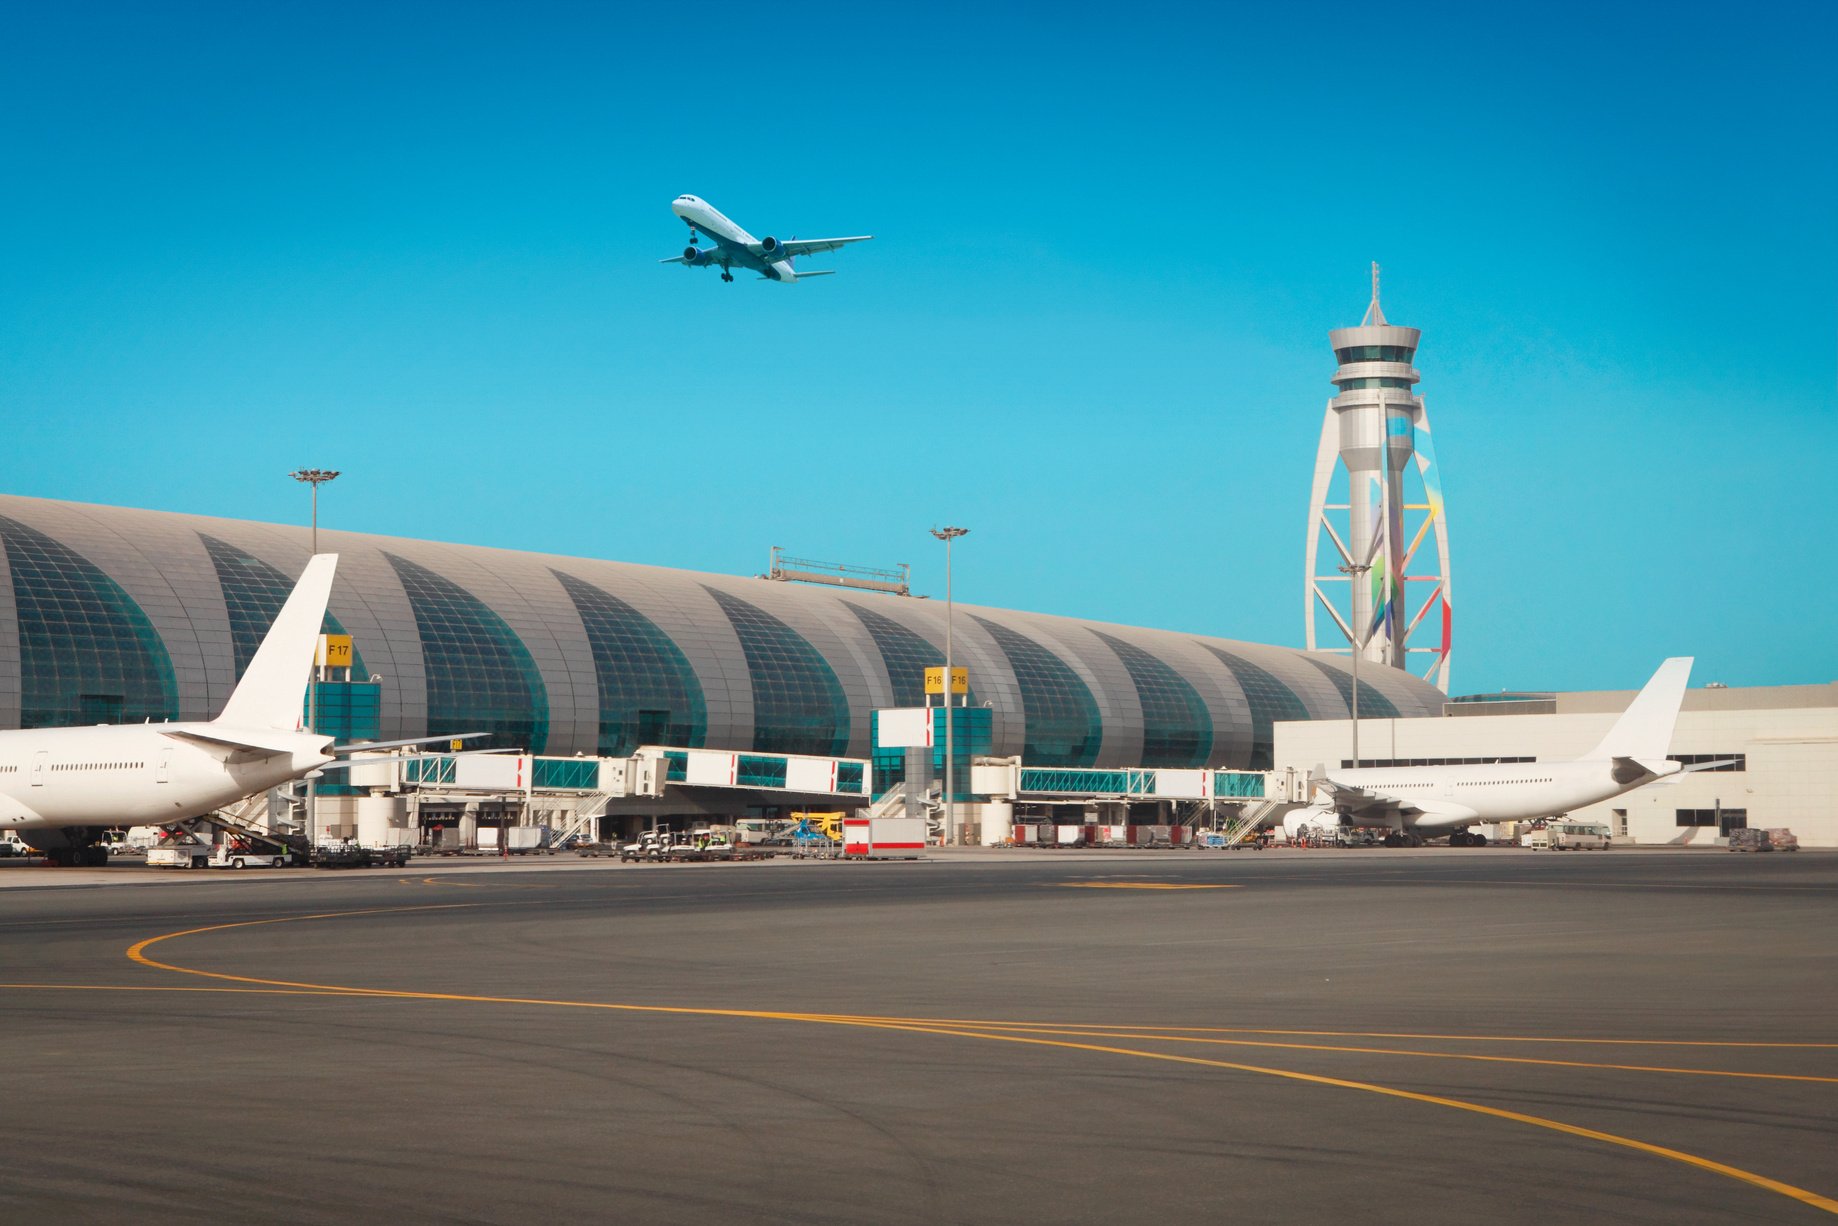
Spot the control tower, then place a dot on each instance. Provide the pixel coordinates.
(1384, 583)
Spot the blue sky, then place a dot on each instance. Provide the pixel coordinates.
(417, 243)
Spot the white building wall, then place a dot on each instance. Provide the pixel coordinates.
(1791, 778)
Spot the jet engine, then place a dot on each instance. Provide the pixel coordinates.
(768, 247)
(697, 257)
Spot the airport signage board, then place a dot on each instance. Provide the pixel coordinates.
(335, 651)
(935, 681)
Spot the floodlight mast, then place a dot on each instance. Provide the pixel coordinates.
(314, 477)
(947, 535)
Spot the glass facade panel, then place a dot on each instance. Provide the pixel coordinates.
(1270, 701)
(87, 653)
(480, 675)
(649, 694)
(798, 705)
(253, 593)
(1063, 726)
(1371, 702)
(1177, 729)
(907, 655)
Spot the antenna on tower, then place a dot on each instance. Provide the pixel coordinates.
(1373, 314)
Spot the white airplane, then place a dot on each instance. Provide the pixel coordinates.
(61, 787)
(1414, 802)
(767, 256)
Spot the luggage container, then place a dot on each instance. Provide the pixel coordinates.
(883, 838)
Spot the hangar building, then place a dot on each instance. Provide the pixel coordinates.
(1777, 746)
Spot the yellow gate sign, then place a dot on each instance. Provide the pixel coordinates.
(935, 681)
(335, 650)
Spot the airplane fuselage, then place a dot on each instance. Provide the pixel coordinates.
(1454, 797)
(734, 245)
(138, 774)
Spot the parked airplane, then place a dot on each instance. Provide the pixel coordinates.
(61, 787)
(1414, 802)
(767, 256)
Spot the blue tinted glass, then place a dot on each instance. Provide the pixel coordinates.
(1177, 729)
(798, 705)
(649, 694)
(480, 675)
(253, 593)
(1371, 702)
(87, 653)
(1063, 727)
(1270, 700)
(906, 654)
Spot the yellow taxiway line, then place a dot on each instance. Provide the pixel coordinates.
(138, 953)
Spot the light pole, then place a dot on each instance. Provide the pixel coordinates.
(1356, 573)
(947, 535)
(314, 477)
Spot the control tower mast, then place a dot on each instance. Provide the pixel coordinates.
(1375, 426)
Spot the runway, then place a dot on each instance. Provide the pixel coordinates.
(1445, 1035)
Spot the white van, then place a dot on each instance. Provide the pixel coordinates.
(1576, 836)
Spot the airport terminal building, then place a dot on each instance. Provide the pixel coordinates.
(111, 615)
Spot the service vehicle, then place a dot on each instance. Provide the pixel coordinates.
(12, 845)
(180, 850)
(230, 856)
(1575, 836)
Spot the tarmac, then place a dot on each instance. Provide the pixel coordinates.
(1433, 1035)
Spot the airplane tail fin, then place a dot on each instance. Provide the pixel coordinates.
(272, 688)
(1645, 728)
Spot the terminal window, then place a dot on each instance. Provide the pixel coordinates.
(1725, 820)
(1177, 731)
(87, 653)
(1270, 701)
(1063, 727)
(1725, 761)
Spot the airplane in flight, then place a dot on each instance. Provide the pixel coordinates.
(1411, 803)
(60, 788)
(770, 257)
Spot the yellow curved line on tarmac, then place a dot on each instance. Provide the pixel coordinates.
(1706, 1164)
(1151, 1035)
(1150, 1031)
(137, 952)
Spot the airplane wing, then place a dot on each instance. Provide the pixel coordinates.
(795, 247)
(1353, 801)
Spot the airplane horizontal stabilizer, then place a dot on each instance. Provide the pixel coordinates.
(246, 740)
(360, 746)
(821, 272)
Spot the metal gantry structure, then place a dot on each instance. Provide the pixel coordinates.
(1389, 545)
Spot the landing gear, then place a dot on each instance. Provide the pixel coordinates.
(1394, 839)
(726, 275)
(1458, 839)
(694, 238)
